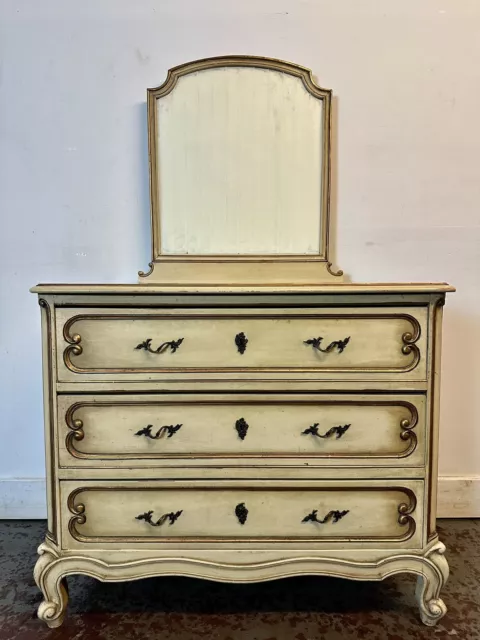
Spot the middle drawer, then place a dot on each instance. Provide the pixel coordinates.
(240, 429)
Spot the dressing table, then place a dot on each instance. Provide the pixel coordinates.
(243, 413)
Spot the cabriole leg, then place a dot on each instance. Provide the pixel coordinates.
(429, 584)
(53, 587)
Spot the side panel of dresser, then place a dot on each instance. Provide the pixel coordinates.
(433, 410)
(49, 377)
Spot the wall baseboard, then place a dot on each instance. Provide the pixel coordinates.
(458, 497)
(25, 498)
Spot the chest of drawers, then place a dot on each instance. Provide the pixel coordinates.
(241, 436)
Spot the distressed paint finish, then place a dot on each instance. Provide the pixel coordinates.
(391, 505)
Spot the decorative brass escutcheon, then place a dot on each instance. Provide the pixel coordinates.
(241, 342)
(241, 512)
(242, 427)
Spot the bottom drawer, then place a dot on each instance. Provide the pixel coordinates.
(133, 513)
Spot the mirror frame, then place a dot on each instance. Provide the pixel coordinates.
(239, 269)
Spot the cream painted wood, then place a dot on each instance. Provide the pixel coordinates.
(239, 159)
(49, 410)
(435, 330)
(69, 292)
(244, 566)
(243, 272)
(285, 469)
(242, 558)
(239, 150)
(370, 513)
(254, 383)
(365, 430)
(387, 342)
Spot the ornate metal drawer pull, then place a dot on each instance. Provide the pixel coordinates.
(242, 427)
(334, 516)
(339, 431)
(169, 428)
(340, 345)
(147, 516)
(173, 344)
(241, 342)
(241, 512)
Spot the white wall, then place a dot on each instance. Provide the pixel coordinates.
(74, 183)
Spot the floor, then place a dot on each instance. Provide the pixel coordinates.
(185, 609)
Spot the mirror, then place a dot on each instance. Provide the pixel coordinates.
(239, 162)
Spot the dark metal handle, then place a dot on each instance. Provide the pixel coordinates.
(339, 431)
(241, 342)
(336, 344)
(241, 512)
(169, 428)
(242, 427)
(147, 516)
(147, 345)
(334, 516)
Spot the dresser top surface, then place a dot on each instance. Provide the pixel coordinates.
(151, 289)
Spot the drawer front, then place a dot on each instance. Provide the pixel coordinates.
(102, 344)
(199, 430)
(134, 513)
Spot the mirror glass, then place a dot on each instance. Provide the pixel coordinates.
(239, 164)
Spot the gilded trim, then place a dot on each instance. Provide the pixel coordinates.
(305, 75)
(142, 274)
(405, 518)
(251, 257)
(78, 512)
(409, 340)
(240, 61)
(74, 347)
(332, 271)
(77, 433)
(52, 485)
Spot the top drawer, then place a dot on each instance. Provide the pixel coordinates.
(176, 344)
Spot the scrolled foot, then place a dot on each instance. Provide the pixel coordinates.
(432, 611)
(52, 613)
(429, 584)
(49, 580)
